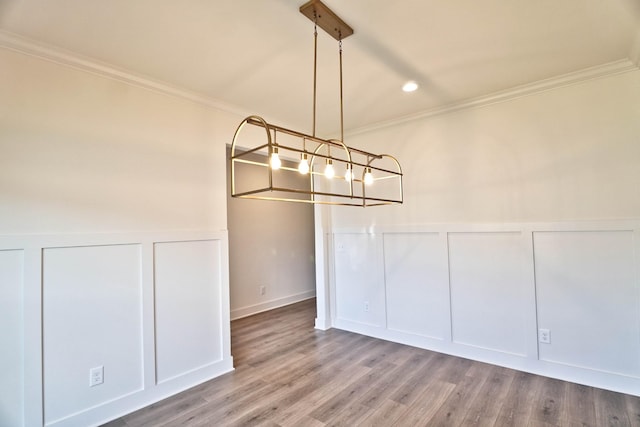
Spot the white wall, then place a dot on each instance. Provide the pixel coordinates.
(271, 245)
(518, 215)
(566, 154)
(113, 243)
(84, 153)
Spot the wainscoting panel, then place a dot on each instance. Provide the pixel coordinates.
(483, 291)
(588, 299)
(488, 304)
(416, 283)
(151, 308)
(92, 316)
(11, 324)
(187, 286)
(359, 282)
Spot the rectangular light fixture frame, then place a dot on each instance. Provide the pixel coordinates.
(336, 191)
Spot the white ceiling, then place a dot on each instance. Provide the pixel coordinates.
(257, 55)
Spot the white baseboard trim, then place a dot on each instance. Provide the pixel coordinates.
(322, 324)
(250, 310)
(575, 374)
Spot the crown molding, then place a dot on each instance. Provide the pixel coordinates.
(576, 77)
(21, 44)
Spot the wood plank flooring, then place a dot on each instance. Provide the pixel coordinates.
(289, 374)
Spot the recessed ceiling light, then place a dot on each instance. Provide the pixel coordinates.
(410, 86)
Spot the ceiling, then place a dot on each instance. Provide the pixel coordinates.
(257, 55)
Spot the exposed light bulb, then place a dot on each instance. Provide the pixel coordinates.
(275, 160)
(368, 177)
(410, 86)
(303, 167)
(328, 170)
(348, 175)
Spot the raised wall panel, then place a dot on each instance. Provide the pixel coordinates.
(416, 283)
(358, 273)
(188, 306)
(91, 317)
(587, 296)
(488, 300)
(11, 327)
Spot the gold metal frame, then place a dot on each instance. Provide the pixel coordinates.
(352, 158)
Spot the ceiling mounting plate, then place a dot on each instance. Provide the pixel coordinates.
(326, 19)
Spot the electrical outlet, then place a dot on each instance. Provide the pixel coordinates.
(544, 336)
(96, 376)
(263, 290)
(366, 306)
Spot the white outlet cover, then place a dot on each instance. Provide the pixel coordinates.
(96, 376)
(544, 336)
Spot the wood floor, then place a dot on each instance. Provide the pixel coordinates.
(288, 374)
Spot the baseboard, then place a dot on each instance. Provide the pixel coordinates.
(250, 310)
(575, 374)
(322, 324)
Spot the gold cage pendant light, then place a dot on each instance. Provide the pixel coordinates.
(350, 177)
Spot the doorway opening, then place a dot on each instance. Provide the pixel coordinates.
(271, 253)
